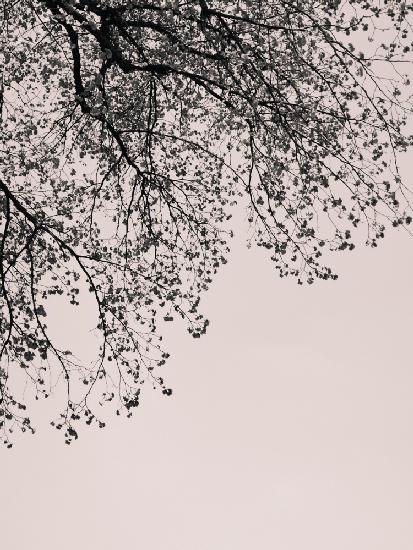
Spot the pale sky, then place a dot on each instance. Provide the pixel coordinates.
(290, 427)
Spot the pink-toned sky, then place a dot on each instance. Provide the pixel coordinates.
(290, 427)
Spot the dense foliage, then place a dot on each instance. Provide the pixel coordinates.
(128, 131)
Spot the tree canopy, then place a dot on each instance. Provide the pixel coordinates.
(128, 132)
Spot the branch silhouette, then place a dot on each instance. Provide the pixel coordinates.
(128, 132)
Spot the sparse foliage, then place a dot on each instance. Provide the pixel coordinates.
(129, 130)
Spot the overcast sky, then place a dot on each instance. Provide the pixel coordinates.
(290, 426)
